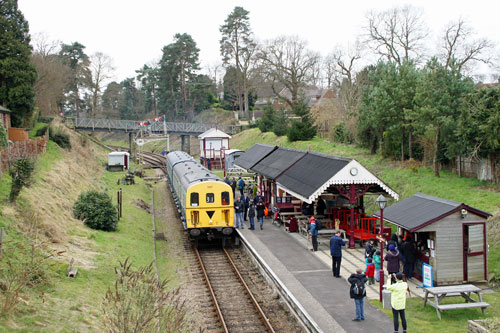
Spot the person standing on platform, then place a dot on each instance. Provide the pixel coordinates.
(260, 212)
(227, 180)
(393, 257)
(246, 201)
(370, 271)
(241, 185)
(409, 253)
(398, 300)
(358, 292)
(370, 249)
(307, 209)
(233, 186)
(258, 197)
(377, 261)
(314, 233)
(239, 206)
(320, 206)
(336, 244)
(251, 214)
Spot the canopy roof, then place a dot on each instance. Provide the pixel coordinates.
(253, 155)
(278, 162)
(214, 133)
(421, 210)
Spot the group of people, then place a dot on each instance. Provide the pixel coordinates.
(244, 208)
(396, 283)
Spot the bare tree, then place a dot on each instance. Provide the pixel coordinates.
(397, 34)
(286, 61)
(101, 68)
(460, 48)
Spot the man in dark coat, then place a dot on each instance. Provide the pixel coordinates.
(246, 201)
(370, 248)
(320, 206)
(307, 209)
(260, 207)
(393, 257)
(409, 253)
(336, 244)
(358, 280)
(233, 186)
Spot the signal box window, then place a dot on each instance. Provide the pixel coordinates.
(225, 198)
(210, 197)
(195, 199)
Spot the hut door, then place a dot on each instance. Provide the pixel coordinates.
(474, 251)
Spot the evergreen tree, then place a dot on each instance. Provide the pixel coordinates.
(268, 119)
(302, 129)
(280, 126)
(148, 76)
(130, 99)
(17, 74)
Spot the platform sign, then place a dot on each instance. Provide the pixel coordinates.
(427, 275)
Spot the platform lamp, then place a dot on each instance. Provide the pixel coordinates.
(381, 202)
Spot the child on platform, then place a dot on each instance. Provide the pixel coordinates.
(370, 270)
(377, 261)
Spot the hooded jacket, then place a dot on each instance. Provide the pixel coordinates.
(393, 257)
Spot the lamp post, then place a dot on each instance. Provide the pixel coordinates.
(381, 202)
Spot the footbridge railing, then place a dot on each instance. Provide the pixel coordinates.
(155, 127)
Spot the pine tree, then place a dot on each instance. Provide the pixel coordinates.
(17, 74)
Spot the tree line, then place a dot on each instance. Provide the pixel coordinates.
(398, 96)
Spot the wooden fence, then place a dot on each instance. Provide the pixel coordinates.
(22, 149)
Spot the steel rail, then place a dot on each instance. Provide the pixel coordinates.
(212, 294)
(254, 301)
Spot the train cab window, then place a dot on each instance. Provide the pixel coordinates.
(195, 199)
(225, 198)
(210, 197)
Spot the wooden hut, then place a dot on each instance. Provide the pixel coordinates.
(450, 236)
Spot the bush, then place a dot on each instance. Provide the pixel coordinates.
(61, 139)
(341, 134)
(127, 306)
(20, 172)
(41, 131)
(45, 119)
(301, 130)
(3, 137)
(96, 211)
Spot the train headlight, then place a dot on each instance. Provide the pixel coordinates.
(227, 231)
(194, 232)
(210, 222)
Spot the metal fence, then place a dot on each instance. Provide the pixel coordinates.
(154, 127)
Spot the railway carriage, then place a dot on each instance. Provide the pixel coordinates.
(205, 201)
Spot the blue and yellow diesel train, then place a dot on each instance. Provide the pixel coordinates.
(205, 201)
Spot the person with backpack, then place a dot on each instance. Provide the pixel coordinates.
(313, 230)
(358, 292)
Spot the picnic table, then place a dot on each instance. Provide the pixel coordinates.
(464, 290)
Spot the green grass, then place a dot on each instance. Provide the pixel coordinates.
(420, 319)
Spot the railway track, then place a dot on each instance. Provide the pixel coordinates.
(236, 306)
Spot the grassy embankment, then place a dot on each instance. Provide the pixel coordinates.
(407, 179)
(66, 304)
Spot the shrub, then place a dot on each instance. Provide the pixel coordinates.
(127, 306)
(42, 130)
(45, 119)
(96, 210)
(3, 137)
(341, 134)
(20, 173)
(61, 139)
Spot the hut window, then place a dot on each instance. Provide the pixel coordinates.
(195, 199)
(210, 197)
(225, 198)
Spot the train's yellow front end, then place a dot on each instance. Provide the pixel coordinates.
(210, 210)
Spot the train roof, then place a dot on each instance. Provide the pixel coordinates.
(189, 168)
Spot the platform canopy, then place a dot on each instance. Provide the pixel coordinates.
(315, 173)
(254, 155)
(276, 163)
(421, 209)
(213, 133)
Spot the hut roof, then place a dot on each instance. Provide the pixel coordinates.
(253, 155)
(278, 162)
(421, 210)
(213, 133)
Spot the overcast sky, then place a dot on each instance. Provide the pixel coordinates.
(133, 33)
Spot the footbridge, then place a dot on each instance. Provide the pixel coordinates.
(131, 126)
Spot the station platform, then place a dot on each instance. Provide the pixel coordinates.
(308, 276)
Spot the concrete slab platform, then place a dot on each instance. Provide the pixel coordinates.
(309, 278)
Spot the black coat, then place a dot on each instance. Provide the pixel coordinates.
(352, 280)
(251, 211)
(320, 207)
(260, 209)
(409, 252)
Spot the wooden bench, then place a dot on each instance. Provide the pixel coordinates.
(439, 293)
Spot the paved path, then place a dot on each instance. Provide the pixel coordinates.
(309, 278)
